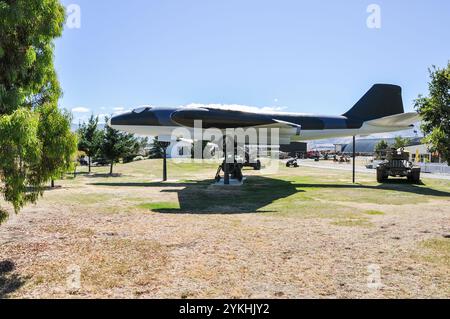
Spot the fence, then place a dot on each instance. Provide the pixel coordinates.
(435, 168)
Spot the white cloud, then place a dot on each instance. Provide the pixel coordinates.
(121, 111)
(238, 107)
(118, 109)
(80, 110)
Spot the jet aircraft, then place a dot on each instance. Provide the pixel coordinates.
(380, 110)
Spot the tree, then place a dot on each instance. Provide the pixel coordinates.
(435, 112)
(143, 144)
(380, 149)
(400, 142)
(381, 146)
(89, 138)
(20, 154)
(137, 149)
(116, 145)
(35, 139)
(27, 75)
(156, 151)
(59, 144)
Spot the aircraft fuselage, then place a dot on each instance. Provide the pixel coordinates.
(379, 110)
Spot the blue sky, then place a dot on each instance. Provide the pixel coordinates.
(301, 56)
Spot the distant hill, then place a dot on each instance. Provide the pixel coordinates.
(346, 140)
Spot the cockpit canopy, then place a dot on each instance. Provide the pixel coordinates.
(141, 109)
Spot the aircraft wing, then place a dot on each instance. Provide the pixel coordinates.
(403, 119)
(287, 130)
(223, 119)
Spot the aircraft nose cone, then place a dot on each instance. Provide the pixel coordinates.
(120, 119)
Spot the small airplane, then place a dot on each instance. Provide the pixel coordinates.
(380, 110)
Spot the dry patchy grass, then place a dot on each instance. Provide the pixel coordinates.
(302, 232)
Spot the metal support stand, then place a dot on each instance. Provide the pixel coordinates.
(226, 170)
(164, 164)
(164, 146)
(354, 157)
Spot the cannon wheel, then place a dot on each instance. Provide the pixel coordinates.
(381, 177)
(257, 166)
(414, 176)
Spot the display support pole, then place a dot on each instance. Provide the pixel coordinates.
(164, 146)
(354, 158)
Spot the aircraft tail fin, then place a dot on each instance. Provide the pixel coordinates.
(380, 101)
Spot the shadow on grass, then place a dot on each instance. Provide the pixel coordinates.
(202, 197)
(78, 173)
(103, 175)
(48, 188)
(9, 281)
(398, 185)
(152, 184)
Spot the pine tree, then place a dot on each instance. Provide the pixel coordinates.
(156, 151)
(89, 138)
(116, 145)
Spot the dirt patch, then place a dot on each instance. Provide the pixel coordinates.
(283, 236)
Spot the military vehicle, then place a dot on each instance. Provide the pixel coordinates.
(397, 164)
(292, 162)
(233, 169)
(250, 160)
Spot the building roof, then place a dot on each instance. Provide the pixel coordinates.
(368, 145)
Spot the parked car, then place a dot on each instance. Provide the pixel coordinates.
(83, 161)
(100, 162)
